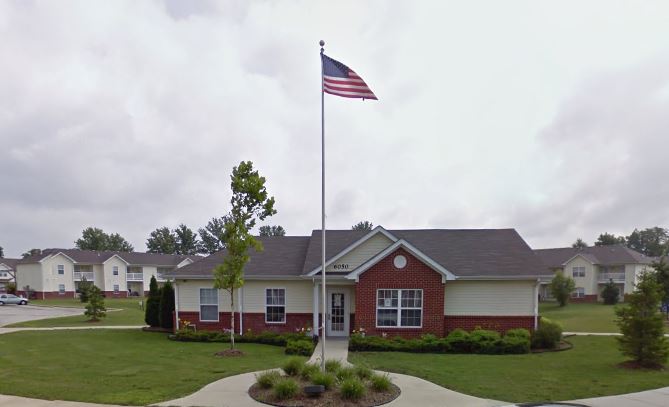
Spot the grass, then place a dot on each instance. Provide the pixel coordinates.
(581, 317)
(118, 366)
(588, 370)
(130, 313)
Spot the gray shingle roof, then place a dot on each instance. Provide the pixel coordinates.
(11, 263)
(465, 253)
(98, 257)
(603, 255)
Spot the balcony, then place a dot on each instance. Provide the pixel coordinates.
(134, 276)
(79, 275)
(616, 277)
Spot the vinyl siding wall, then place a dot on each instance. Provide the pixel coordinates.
(589, 282)
(362, 253)
(489, 298)
(51, 277)
(29, 274)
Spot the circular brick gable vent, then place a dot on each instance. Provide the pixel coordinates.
(400, 261)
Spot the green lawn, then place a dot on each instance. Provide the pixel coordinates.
(118, 366)
(130, 313)
(588, 370)
(581, 317)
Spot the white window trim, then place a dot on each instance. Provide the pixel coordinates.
(58, 269)
(575, 294)
(199, 305)
(399, 309)
(285, 307)
(116, 288)
(114, 270)
(63, 291)
(573, 271)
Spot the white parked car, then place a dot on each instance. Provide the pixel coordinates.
(12, 299)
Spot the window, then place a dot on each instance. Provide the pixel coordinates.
(61, 269)
(275, 305)
(61, 289)
(116, 289)
(208, 304)
(579, 292)
(115, 270)
(399, 308)
(578, 271)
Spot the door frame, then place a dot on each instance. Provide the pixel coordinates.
(347, 311)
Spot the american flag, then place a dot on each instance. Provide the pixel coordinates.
(340, 80)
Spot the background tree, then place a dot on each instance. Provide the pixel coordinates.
(187, 241)
(652, 242)
(272, 231)
(2, 252)
(579, 244)
(96, 239)
(363, 225)
(610, 293)
(95, 309)
(607, 239)
(167, 306)
(162, 240)
(642, 325)
(561, 287)
(213, 235)
(152, 313)
(84, 289)
(31, 252)
(250, 202)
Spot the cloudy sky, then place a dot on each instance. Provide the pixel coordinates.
(549, 117)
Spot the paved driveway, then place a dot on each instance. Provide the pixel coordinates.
(10, 314)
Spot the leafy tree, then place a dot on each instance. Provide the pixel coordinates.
(642, 326)
(607, 239)
(363, 225)
(11, 288)
(561, 287)
(186, 240)
(31, 252)
(152, 313)
(213, 235)
(250, 202)
(652, 242)
(162, 240)
(167, 306)
(84, 289)
(96, 239)
(579, 244)
(662, 276)
(96, 304)
(272, 231)
(610, 293)
(2, 252)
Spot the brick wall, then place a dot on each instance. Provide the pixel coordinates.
(47, 295)
(500, 324)
(414, 275)
(587, 298)
(253, 321)
(112, 294)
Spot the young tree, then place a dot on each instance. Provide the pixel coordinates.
(363, 225)
(272, 231)
(84, 289)
(152, 313)
(167, 306)
(250, 203)
(610, 293)
(642, 326)
(162, 240)
(95, 309)
(213, 235)
(607, 239)
(96, 239)
(561, 287)
(187, 241)
(579, 244)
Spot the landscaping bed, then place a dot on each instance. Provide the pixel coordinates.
(295, 343)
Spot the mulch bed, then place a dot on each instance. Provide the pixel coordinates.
(633, 365)
(330, 398)
(230, 353)
(563, 345)
(156, 329)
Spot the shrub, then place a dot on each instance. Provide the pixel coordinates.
(363, 372)
(458, 341)
(561, 287)
(324, 379)
(308, 370)
(518, 333)
(285, 389)
(267, 379)
(166, 306)
(332, 365)
(515, 344)
(84, 288)
(152, 314)
(484, 341)
(610, 293)
(11, 289)
(345, 373)
(352, 389)
(293, 366)
(547, 335)
(380, 382)
(302, 347)
(95, 309)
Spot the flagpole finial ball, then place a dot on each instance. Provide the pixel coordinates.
(321, 42)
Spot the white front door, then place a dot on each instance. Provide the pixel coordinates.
(338, 314)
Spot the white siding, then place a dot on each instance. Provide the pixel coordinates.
(589, 282)
(29, 274)
(362, 253)
(189, 296)
(51, 277)
(299, 295)
(489, 298)
(107, 284)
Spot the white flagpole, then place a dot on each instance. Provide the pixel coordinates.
(324, 310)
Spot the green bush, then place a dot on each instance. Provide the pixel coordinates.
(152, 313)
(302, 347)
(166, 306)
(547, 335)
(267, 379)
(486, 342)
(518, 333)
(332, 365)
(352, 389)
(380, 382)
(610, 293)
(363, 372)
(285, 388)
(345, 373)
(458, 341)
(515, 345)
(324, 379)
(293, 366)
(309, 370)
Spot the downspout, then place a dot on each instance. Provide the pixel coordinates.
(536, 304)
(240, 301)
(176, 303)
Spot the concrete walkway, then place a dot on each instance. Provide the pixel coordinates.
(596, 334)
(650, 398)
(13, 401)
(335, 348)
